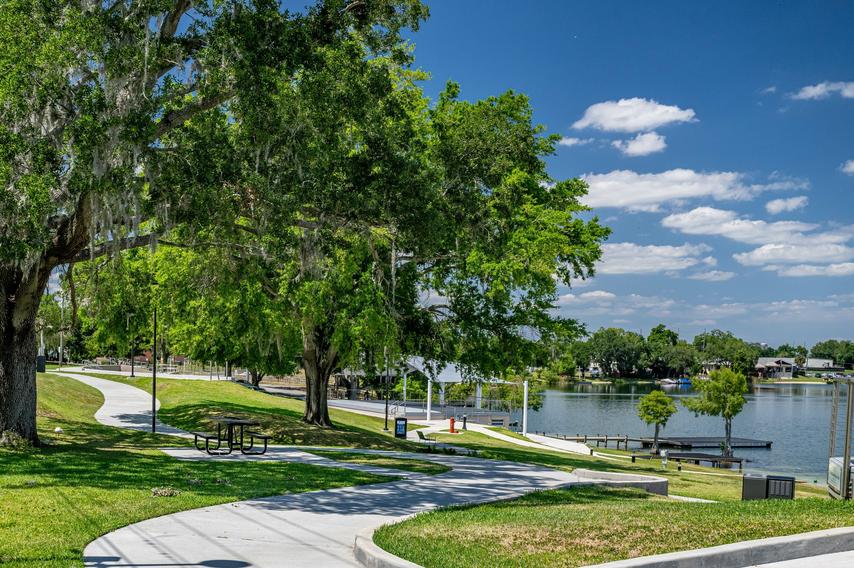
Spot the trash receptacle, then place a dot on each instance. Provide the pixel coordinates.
(754, 486)
(781, 487)
(41, 366)
(400, 428)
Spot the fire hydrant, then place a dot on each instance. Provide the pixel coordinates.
(452, 426)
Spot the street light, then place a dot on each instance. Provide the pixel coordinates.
(154, 378)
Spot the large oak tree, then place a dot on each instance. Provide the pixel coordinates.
(94, 96)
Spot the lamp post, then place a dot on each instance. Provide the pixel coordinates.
(525, 409)
(154, 378)
(385, 427)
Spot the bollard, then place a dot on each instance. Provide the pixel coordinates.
(465, 422)
(452, 426)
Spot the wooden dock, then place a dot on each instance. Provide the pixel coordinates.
(586, 439)
(689, 442)
(695, 458)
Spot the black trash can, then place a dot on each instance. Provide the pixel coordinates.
(400, 428)
(40, 364)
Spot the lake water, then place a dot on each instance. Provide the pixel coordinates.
(795, 417)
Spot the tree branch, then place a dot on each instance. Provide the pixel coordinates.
(173, 18)
(177, 117)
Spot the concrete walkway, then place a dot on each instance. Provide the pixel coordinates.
(836, 560)
(125, 406)
(309, 529)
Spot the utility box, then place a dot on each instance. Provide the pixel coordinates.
(755, 486)
(780, 487)
(400, 428)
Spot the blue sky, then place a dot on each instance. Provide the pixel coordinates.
(715, 139)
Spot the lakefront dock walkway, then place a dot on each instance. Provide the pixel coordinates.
(666, 442)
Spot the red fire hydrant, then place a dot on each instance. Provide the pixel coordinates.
(452, 426)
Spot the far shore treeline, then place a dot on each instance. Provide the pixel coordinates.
(228, 323)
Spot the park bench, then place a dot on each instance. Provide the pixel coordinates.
(425, 439)
(248, 450)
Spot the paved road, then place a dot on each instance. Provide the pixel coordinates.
(314, 529)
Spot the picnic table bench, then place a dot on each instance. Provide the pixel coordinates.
(225, 434)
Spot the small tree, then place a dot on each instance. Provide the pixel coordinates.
(722, 395)
(656, 408)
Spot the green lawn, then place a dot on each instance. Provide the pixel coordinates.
(92, 479)
(379, 460)
(587, 525)
(693, 481)
(189, 405)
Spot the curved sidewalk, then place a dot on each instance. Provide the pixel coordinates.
(308, 529)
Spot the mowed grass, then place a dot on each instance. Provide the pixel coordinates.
(380, 460)
(692, 481)
(92, 479)
(191, 405)
(588, 525)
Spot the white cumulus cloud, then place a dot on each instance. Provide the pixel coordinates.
(779, 253)
(848, 167)
(631, 190)
(632, 258)
(571, 141)
(641, 145)
(838, 269)
(724, 223)
(777, 206)
(632, 115)
(713, 276)
(825, 89)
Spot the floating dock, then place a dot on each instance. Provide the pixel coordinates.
(689, 442)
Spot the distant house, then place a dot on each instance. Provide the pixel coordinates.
(785, 367)
(776, 367)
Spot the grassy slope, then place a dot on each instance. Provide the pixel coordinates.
(191, 404)
(589, 525)
(574, 527)
(92, 479)
(379, 460)
(702, 482)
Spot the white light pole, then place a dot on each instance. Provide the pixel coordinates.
(404, 392)
(429, 397)
(525, 409)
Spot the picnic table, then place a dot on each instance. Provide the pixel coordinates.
(234, 430)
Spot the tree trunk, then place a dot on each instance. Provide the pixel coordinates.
(255, 377)
(318, 361)
(20, 294)
(655, 439)
(728, 437)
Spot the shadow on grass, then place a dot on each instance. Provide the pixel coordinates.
(284, 425)
(91, 455)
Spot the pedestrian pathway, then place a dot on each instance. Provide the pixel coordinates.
(836, 560)
(125, 406)
(307, 529)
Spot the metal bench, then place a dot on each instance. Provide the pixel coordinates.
(207, 437)
(425, 438)
(248, 450)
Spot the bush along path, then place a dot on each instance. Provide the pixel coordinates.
(308, 529)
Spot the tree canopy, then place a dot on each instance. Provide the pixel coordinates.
(721, 395)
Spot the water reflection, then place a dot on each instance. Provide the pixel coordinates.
(795, 417)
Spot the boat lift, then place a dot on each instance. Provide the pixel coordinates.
(839, 476)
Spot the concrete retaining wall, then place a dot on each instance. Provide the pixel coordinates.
(750, 552)
(651, 483)
(372, 556)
